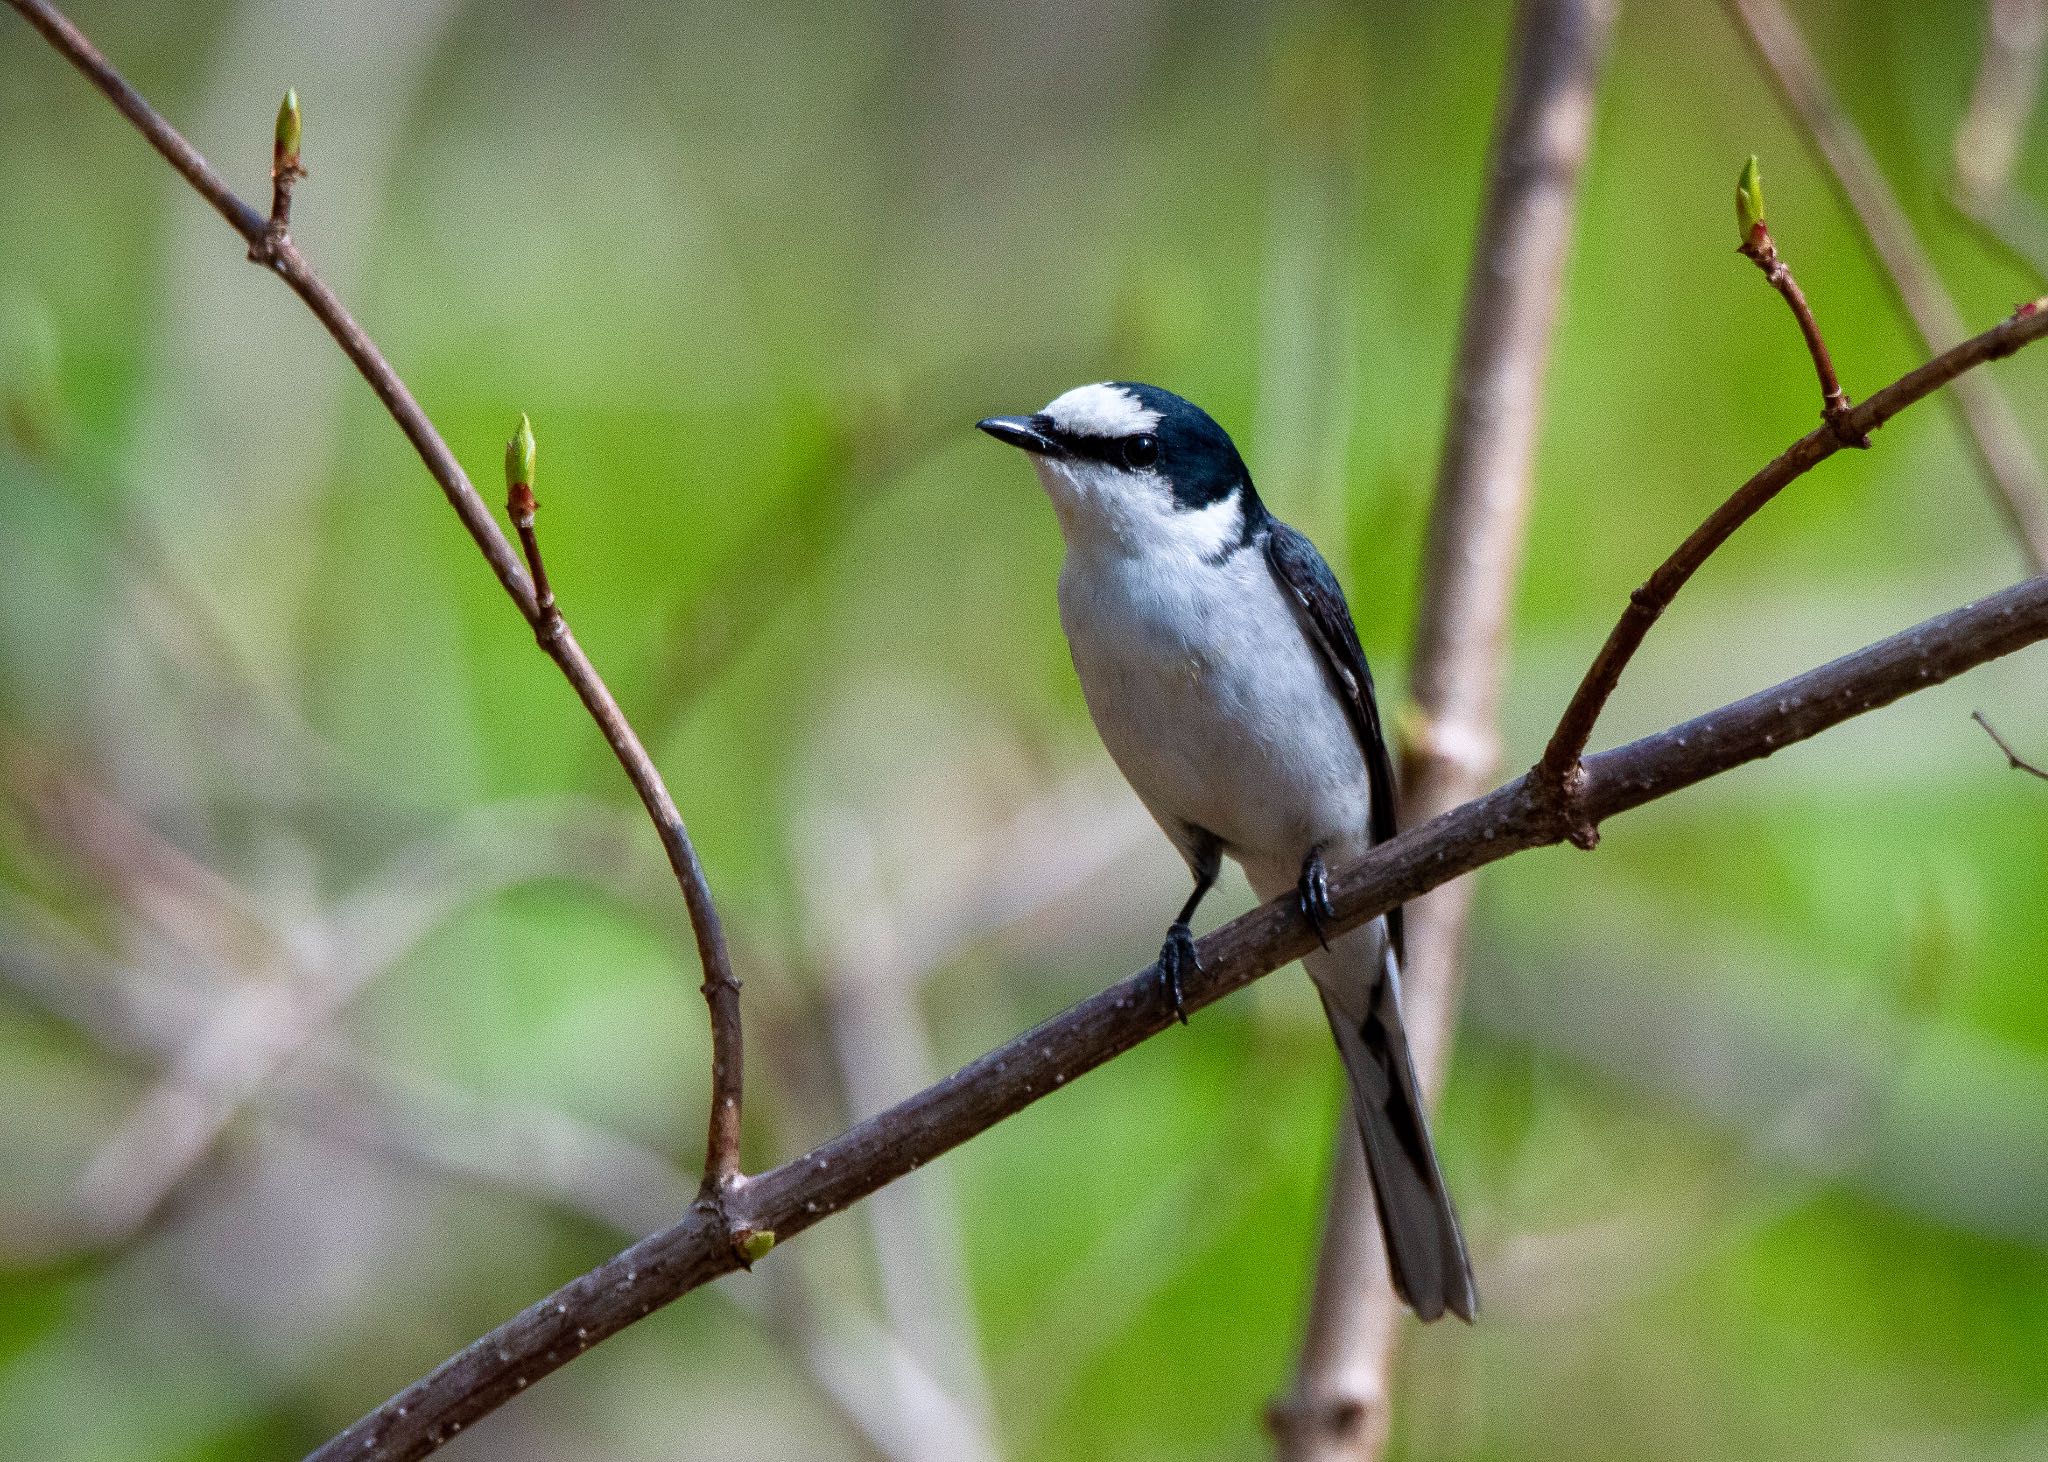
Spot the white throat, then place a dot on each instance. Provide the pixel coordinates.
(1104, 509)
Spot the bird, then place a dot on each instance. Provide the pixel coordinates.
(1221, 667)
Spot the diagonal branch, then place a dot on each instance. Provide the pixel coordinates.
(1336, 1406)
(2011, 469)
(1575, 727)
(273, 247)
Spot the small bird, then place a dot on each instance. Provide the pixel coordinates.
(1221, 667)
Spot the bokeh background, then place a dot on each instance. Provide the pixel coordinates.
(345, 1008)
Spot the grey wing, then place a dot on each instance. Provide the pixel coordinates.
(1327, 619)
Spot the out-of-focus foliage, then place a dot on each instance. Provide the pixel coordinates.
(1750, 1112)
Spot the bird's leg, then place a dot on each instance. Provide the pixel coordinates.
(1314, 894)
(1177, 955)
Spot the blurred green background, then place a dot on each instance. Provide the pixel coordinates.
(346, 1008)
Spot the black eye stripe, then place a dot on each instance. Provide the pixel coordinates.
(1113, 450)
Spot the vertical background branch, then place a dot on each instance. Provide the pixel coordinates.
(1989, 139)
(2011, 469)
(1337, 1407)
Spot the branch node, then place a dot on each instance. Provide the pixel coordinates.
(718, 1200)
(1560, 799)
(2027, 309)
(1837, 414)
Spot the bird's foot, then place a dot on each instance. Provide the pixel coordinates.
(1176, 957)
(1314, 894)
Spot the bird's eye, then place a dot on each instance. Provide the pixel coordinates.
(1141, 450)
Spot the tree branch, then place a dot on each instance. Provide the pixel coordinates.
(1761, 249)
(2010, 468)
(2018, 762)
(1336, 1406)
(1575, 727)
(273, 247)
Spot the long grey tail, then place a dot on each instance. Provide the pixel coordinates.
(1425, 1247)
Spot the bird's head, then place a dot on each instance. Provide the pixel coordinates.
(1137, 468)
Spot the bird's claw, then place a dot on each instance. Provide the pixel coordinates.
(1314, 894)
(1176, 957)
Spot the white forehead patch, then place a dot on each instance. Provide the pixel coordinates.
(1101, 410)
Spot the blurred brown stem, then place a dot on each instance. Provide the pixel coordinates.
(1994, 127)
(275, 249)
(2006, 458)
(1337, 1405)
(2018, 762)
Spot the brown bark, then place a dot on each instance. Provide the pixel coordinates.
(1336, 1407)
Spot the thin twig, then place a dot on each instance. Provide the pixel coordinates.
(522, 507)
(1336, 1406)
(1575, 727)
(1762, 250)
(2019, 763)
(285, 172)
(2006, 457)
(278, 252)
